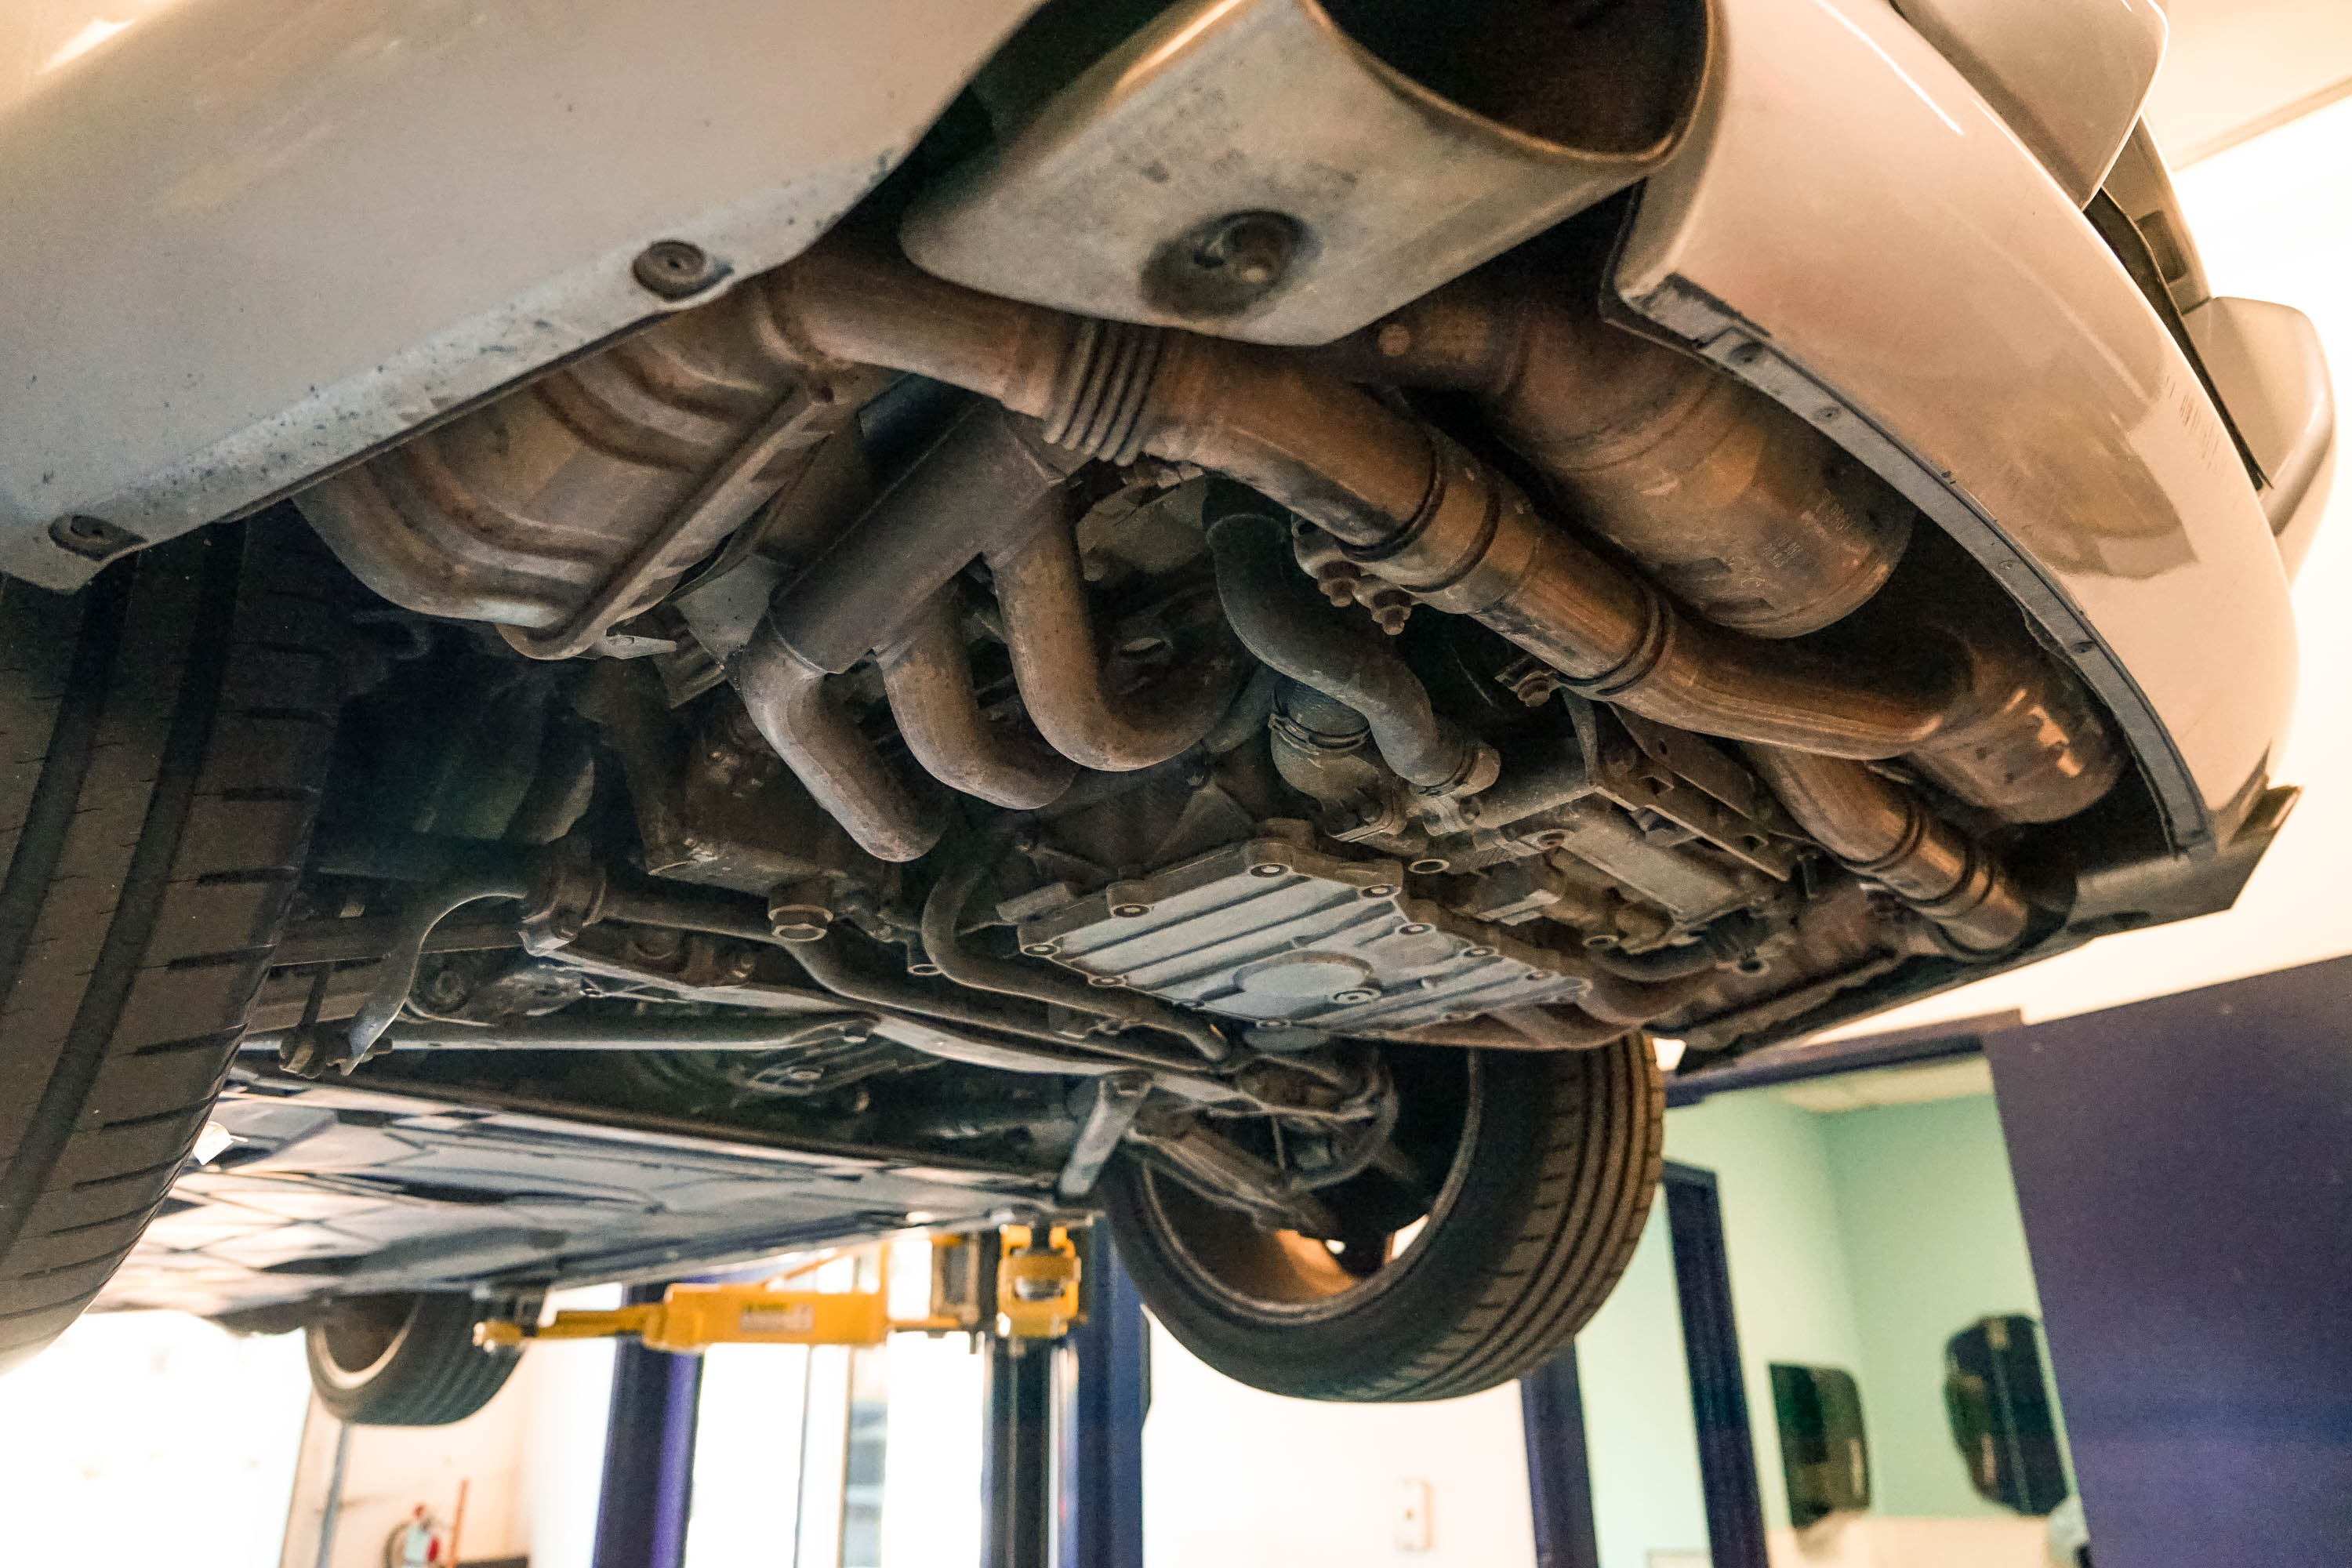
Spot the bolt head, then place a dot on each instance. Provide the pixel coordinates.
(1225, 265)
(676, 269)
(1130, 912)
(93, 538)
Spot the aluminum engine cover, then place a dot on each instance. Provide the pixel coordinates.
(1270, 932)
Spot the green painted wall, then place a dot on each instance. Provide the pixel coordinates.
(1790, 1294)
(1860, 1239)
(1933, 1241)
(1637, 1414)
(1790, 1290)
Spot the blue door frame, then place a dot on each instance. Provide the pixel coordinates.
(2184, 1167)
(1551, 1403)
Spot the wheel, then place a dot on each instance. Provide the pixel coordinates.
(163, 735)
(404, 1361)
(1510, 1196)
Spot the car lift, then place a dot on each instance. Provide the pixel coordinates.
(1031, 1287)
(1023, 1289)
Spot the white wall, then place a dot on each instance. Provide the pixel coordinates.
(531, 1463)
(143, 1439)
(1244, 1479)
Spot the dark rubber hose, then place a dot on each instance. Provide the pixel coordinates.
(1287, 624)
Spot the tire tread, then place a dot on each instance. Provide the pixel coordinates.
(1567, 1205)
(163, 735)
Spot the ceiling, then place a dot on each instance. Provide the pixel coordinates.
(2233, 68)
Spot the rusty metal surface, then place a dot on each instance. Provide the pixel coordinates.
(566, 507)
(1118, 197)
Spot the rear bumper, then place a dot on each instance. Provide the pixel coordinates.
(1852, 230)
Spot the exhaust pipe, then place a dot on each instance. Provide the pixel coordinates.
(1412, 507)
(989, 488)
(1049, 632)
(1287, 625)
(1735, 506)
(1881, 832)
(1752, 518)
(928, 679)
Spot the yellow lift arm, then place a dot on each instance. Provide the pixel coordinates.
(1036, 1298)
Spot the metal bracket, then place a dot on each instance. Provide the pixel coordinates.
(1645, 766)
(1113, 1100)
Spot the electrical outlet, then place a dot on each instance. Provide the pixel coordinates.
(1413, 1516)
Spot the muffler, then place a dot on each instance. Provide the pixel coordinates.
(1283, 170)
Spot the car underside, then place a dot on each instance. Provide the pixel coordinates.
(1264, 752)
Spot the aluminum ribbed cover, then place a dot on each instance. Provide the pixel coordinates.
(1269, 931)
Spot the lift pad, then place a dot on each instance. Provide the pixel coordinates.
(1036, 1296)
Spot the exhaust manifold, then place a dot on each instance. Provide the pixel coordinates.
(1978, 710)
(988, 488)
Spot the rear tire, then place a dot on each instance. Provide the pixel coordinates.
(1549, 1161)
(404, 1360)
(163, 735)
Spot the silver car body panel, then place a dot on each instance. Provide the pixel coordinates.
(2067, 76)
(1854, 231)
(348, 1188)
(247, 241)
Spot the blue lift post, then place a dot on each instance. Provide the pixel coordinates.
(1726, 1452)
(1093, 1447)
(648, 1483)
(1559, 1465)
(1017, 1470)
(1109, 1373)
